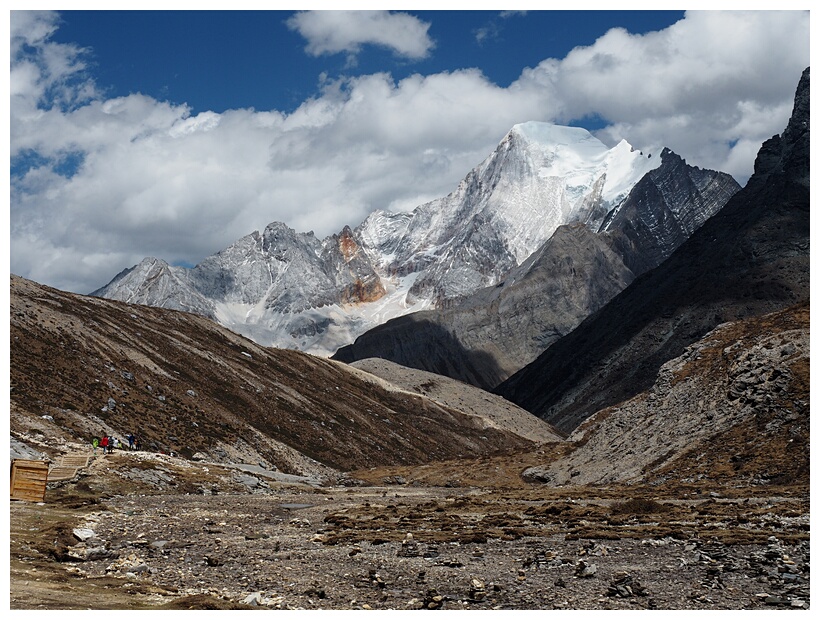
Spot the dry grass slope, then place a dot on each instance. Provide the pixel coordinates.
(84, 366)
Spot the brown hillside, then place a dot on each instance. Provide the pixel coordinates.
(83, 366)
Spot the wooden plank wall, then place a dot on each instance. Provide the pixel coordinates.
(28, 480)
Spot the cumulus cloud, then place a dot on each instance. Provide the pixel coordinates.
(699, 86)
(97, 183)
(331, 32)
(42, 69)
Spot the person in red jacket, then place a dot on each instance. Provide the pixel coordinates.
(104, 444)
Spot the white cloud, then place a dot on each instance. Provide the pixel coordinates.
(331, 32)
(492, 29)
(709, 80)
(155, 180)
(53, 70)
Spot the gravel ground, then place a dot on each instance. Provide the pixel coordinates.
(436, 548)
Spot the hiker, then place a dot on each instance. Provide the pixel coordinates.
(130, 439)
(104, 444)
(95, 441)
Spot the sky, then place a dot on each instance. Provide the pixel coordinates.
(174, 133)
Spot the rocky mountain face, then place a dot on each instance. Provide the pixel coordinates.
(488, 336)
(293, 290)
(493, 333)
(749, 259)
(84, 366)
(663, 210)
(539, 177)
(262, 281)
(734, 405)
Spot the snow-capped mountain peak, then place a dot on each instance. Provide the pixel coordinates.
(292, 290)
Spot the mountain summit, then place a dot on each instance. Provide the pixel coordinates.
(293, 290)
(484, 338)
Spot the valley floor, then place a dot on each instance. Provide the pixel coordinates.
(403, 546)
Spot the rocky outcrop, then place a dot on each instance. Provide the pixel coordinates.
(355, 277)
(663, 210)
(735, 404)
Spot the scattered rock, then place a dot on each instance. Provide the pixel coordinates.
(83, 533)
(478, 591)
(585, 570)
(623, 585)
(376, 579)
(251, 482)
(409, 547)
(433, 600)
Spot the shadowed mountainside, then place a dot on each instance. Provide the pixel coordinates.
(749, 259)
(493, 333)
(489, 335)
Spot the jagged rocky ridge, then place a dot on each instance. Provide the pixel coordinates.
(292, 290)
(488, 336)
(749, 259)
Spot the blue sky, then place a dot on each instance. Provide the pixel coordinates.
(174, 133)
(219, 60)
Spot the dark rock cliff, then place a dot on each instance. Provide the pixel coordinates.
(663, 210)
(749, 259)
